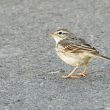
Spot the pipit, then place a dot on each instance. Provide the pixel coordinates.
(74, 51)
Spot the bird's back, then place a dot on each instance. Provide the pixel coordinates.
(77, 45)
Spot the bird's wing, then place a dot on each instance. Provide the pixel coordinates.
(77, 45)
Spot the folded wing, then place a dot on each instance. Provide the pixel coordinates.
(77, 45)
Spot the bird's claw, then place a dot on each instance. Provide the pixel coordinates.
(72, 76)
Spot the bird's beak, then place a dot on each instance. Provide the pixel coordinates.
(50, 34)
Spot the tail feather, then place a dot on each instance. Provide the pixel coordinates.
(104, 57)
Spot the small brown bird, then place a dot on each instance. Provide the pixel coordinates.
(74, 51)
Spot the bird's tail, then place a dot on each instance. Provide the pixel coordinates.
(104, 57)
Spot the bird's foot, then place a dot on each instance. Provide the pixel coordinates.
(71, 76)
(84, 74)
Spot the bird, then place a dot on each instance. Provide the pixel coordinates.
(74, 51)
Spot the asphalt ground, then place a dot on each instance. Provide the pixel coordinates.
(30, 70)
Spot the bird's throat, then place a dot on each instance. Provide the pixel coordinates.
(57, 39)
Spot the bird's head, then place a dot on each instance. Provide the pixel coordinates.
(60, 34)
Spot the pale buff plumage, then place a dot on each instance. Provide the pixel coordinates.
(74, 51)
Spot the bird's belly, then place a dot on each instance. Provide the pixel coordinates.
(70, 59)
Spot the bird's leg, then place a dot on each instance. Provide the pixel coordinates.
(70, 75)
(84, 73)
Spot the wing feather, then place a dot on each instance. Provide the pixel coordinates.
(77, 47)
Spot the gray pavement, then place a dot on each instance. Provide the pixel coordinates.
(30, 71)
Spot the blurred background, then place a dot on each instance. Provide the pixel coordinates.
(30, 71)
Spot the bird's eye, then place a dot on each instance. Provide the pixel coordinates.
(60, 32)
